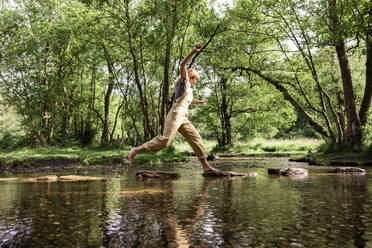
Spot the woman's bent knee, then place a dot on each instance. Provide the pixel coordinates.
(163, 142)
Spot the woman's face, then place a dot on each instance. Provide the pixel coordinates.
(192, 80)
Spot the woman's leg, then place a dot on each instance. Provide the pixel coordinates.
(194, 139)
(172, 123)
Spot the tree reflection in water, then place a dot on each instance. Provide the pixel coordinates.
(174, 232)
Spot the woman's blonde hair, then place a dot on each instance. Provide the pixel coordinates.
(193, 73)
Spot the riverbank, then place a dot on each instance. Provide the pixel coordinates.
(53, 159)
(335, 159)
(94, 158)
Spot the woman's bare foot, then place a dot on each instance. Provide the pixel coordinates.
(207, 169)
(131, 155)
(133, 152)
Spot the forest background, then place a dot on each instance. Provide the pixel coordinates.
(101, 72)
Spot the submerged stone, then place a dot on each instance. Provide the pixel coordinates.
(157, 174)
(228, 174)
(149, 191)
(354, 170)
(291, 172)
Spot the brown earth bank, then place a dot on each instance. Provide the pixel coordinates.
(33, 165)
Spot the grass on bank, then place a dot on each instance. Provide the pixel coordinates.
(92, 155)
(261, 146)
(330, 154)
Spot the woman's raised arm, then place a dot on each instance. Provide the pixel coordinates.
(197, 48)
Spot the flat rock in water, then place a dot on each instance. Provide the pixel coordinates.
(54, 178)
(49, 178)
(228, 174)
(354, 170)
(291, 172)
(157, 174)
(9, 179)
(78, 178)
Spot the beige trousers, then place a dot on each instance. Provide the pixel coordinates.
(177, 120)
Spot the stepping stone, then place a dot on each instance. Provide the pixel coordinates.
(228, 174)
(351, 170)
(213, 156)
(157, 174)
(291, 172)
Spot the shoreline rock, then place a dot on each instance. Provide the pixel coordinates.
(290, 172)
(348, 170)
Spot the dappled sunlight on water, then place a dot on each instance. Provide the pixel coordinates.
(321, 210)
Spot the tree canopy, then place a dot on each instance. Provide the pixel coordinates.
(103, 70)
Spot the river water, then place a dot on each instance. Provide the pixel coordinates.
(322, 210)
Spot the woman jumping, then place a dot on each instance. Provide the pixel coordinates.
(177, 118)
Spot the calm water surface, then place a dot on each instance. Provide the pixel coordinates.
(266, 211)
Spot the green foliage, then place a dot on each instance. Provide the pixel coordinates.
(275, 146)
(55, 57)
(368, 151)
(8, 141)
(223, 149)
(329, 147)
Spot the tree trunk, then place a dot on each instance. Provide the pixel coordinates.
(353, 136)
(106, 123)
(165, 94)
(88, 133)
(45, 112)
(115, 122)
(310, 119)
(366, 102)
(225, 116)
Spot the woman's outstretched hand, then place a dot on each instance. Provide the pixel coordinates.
(197, 47)
(199, 101)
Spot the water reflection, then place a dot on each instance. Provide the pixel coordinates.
(319, 211)
(338, 210)
(159, 224)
